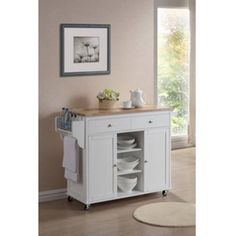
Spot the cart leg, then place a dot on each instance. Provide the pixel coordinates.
(164, 193)
(69, 199)
(86, 206)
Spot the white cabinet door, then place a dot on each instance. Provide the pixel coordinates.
(156, 164)
(101, 156)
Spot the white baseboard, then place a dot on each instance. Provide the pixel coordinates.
(51, 195)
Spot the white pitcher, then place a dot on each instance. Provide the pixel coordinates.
(136, 96)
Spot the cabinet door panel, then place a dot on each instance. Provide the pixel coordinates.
(156, 154)
(100, 166)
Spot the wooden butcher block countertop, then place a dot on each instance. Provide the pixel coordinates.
(118, 111)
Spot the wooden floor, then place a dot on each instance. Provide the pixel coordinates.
(62, 218)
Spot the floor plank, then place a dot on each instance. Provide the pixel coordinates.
(114, 218)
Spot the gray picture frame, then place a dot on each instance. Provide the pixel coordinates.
(64, 73)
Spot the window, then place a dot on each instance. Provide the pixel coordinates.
(173, 69)
(175, 66)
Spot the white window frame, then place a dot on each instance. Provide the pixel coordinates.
(185, 140)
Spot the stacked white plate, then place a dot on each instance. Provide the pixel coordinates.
(127, 163)
(125, 142)
(127, 184)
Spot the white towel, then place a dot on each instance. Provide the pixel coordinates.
(71, 158)
(71, 175)
(70, 154)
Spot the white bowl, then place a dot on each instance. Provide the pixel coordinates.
(125, 139)
(127, 184)
(127, 163)
(126, 147)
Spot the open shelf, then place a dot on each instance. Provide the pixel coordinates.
(129, 150)
(138, 170)
(126, 172)
(128, 194)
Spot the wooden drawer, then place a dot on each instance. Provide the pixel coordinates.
(108, 125)
(149, 121)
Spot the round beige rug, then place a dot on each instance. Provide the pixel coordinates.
(170, 214)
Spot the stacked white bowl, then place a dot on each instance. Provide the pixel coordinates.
(125, 141)
(127, 184)
(127, 163)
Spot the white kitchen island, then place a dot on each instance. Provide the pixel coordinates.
(96, 132)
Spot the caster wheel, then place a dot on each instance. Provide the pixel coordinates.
(69, 199)
(86, 207)
(164, 193)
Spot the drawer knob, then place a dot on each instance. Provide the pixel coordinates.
(145, 161)
(114, 165)
(109, 125)
(150, 121)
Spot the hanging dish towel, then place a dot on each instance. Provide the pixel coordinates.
(70, 158)
(71, 175)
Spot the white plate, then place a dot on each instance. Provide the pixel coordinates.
(127, 147)
(125, 139)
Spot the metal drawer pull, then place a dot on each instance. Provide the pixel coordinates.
(114, 165)
(145, 161)
(109, 125)
(150, 121)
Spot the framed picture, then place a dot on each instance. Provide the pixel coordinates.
(85, 49)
